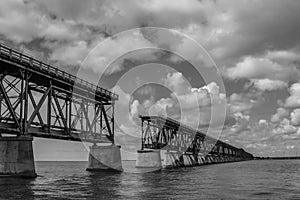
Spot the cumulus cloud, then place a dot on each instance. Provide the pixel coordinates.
(263, 122)
(295, 117)
(242, 123)
(294, 99)
(280, 114)
(195, 107)
(268, 85)
(285, 128)
(240, 103)
(262, 68)
(177, 83)
(150, 108)
(190, 97)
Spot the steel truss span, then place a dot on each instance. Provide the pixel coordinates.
(41, 100)
(167, 134)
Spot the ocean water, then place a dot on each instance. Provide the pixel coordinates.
(257, 179)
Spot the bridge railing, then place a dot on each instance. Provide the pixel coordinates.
(14, 54)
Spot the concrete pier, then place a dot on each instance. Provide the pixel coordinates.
(148, 159)
(105, 158)
(16, 157)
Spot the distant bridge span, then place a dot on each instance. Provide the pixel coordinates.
(163, 133)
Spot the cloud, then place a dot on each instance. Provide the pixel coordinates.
(242, 35)
(196, 106)
(261, 68)
(189, 97)
(242, 123)
(14, 19)
(124, 98)
(293, 100)
(68, 9)
(268, 85)
(285, 128)
(161, 107)
(295, 117)
(263, 122)
(283, 57)
(100, 57)
(240, 103)
(177, 83)
(71, 54)
(280, 114)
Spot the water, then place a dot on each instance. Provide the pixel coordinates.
(263, 179)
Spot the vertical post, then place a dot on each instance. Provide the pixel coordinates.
(142, 138)
(81, 117)
(96, 117)
(25, 128)
(86, 110)
(113, 121)
(70, 115)
(21, 101)
(66, 113)
(49, 107)
(101, 125)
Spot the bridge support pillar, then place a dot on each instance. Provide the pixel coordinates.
(148, 158)
(105, 158)
(16, 157)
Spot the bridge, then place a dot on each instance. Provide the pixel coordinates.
(182, 145)
(40, 100)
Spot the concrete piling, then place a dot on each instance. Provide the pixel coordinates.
(16, 157)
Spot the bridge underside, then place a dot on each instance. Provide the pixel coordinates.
(183, 146)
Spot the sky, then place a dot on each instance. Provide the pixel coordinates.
(232, 66)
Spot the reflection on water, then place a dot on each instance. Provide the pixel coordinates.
(264, 179)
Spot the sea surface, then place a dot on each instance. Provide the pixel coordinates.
(257, 179)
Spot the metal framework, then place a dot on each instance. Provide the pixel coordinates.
(165, 133)
(41, 100)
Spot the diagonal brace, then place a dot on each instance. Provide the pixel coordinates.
(35, 106)
(61, 113)
(8, 103)
(38, 107)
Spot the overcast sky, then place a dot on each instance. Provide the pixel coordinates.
(255, 46)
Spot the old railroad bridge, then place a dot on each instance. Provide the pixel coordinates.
(41, 100)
